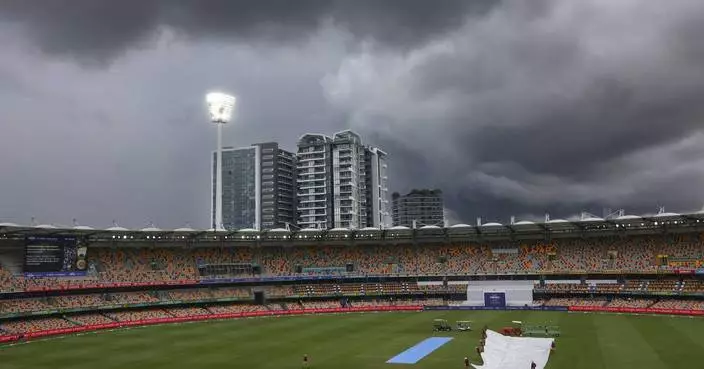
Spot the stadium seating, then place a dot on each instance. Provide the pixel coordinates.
(142, 265)
(136, 315)
(23, 305)
(90, 318)
(34, 325)
(144, 272)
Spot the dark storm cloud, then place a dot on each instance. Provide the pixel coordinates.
(572, 138)
(571, 106)
(586, 109)
(509, 107)
(104, 28)
(131, 142)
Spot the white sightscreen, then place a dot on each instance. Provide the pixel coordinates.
(518, 293)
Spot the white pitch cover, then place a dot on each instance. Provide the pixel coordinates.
(502, 352)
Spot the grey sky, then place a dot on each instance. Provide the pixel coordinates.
(512, 108)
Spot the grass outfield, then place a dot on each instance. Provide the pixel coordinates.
(365, 340)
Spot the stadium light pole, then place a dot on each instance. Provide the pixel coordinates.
(221, 107)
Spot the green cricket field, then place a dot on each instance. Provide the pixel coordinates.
(365, 340)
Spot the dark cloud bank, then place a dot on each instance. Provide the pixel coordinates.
(509, 107)
(103, 29)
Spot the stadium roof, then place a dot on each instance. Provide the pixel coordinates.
(587, 223)
(461, 225)
(624, 218)
(590, 218)
(667, 215)
(492, 224)
(430, 227)
(117, 229)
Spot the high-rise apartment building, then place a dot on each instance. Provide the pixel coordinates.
(378, 213)
(341, 182)
(315, 181)
(258, 187)
(424, 207)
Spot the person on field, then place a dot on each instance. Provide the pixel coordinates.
(466, 362)
(305, 360)
(532, 365)
(480, 348)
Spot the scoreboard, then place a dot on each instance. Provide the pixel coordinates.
(55, 256)
(495, 299)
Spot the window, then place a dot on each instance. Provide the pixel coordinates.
(267, 157)
(267, 150)
(268, 170)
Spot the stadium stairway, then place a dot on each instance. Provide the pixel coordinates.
(109, 317)
(209, 310)
(75, 322)
(161, 295)
(50, 300)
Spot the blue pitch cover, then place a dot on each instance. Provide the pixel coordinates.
(419, 351)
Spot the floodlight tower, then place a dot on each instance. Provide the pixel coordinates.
(221, 106)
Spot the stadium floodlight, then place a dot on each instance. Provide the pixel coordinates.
(221, 108)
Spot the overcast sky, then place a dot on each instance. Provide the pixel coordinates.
(512, 108)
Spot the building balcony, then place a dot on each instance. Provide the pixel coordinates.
(305, 173)
(317, 217)
(305, 200)
(311, 158)
(347, 212)
(315, 193)
(307, 181)
(312, 184)
(306, 210)
(308, 152)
